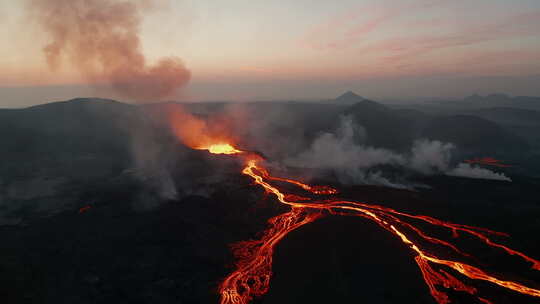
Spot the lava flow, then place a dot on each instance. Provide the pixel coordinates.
(251, 277)
(488, 161)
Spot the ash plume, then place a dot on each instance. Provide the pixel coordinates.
(101, 39)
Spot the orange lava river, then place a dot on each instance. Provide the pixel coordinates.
(253, 268)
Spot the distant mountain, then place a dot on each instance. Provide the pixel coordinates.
(64, 128)
(492, 98)
(523, 122)
(506, 115)
(398, 128)
(349, 98)
(473, 134)
(498, 100)
(385, 127)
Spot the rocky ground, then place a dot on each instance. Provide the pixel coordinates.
(177, 251)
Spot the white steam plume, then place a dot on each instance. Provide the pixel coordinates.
(429, 157)
(352, 162)
(466, 170)
(338, 152)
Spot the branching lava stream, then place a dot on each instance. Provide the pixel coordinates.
(251, 277)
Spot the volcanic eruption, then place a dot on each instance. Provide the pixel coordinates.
(269, 152)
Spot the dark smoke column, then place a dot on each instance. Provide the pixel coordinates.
(101, 38)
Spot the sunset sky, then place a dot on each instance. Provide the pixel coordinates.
(260, 49)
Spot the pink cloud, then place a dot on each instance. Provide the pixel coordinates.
(404, 48)
(358, 28)
(347, 29)
(477, 63)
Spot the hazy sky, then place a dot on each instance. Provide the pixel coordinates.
(262, 49)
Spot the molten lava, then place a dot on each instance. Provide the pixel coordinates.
(84, 209)
(488, 161)
(251, 278)
(221, 149)
(254, 265)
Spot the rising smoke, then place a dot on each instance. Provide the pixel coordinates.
(429, 157)
(340, 153)
(101, 39)
(152, 162)
(354, 162)
(194, 131)
(467, 170)
(163, 147)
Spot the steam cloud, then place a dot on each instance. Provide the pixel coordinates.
(101, 38)
(354, 163)
(466, 170)
(152, 163)
(339, 152)
(430, 157)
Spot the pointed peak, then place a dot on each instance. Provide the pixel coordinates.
(350, 95)
(358, 102)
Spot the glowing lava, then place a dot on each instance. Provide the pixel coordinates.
(254, 265)
(251, 278)
(84, 209)
(488, 161)
(321, 189)
(221, 149)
